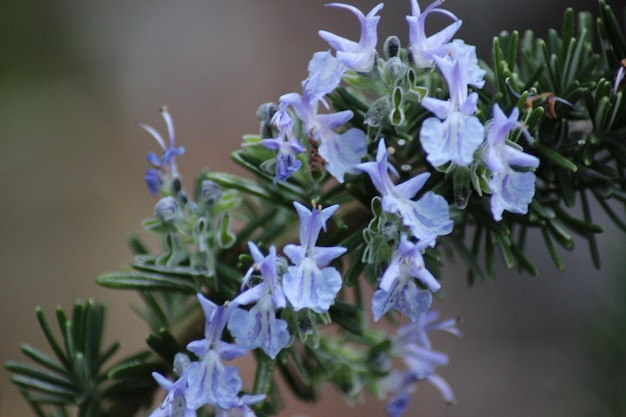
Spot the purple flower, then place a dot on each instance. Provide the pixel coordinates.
(309, 283)
(422, 47)
(359, 56)
(164, 170)
(259, 327)
(459, 133)
(286, 144)
(511, 190)
(427, 217)
(209, 381)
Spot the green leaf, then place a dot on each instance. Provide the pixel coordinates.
(556, 158)
(552, 250)
(144, 281)
(56, 348)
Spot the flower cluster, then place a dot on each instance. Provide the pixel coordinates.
(303, 134)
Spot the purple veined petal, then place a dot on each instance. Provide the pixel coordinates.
(454, 139)
(308, 286)
(404, 297)
(520, 159)
(456, 78)
(216, 318)
(511, 191)
(427, 218)
(311, 223)
(256, 253)
(501, 126)
(337, 42)
(210, 382)
(259, 328)
(441, 108)
(470, 105)
(295, 253)
(247, 297)
(332, 121)
(163, 382)
(357, 61)
(410, 187)
(343, 152)
(391, 274)
(325, 73)
(359, 56)
(379, 171)
(229, 351)
(422, 46)
(200, 348)
(325, 255)
(444, 35)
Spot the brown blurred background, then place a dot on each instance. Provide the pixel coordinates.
(76, 75)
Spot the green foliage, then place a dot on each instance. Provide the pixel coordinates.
(578, 125)
(76, 377)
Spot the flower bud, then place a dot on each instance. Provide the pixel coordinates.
(391, 47)
(166, 209)
(210, 192)
(396, 69)
(265, 112)
(181, 362)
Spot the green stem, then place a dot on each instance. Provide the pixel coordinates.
(264, 373)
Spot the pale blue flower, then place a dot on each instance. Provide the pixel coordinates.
(422, 46)
(459, 133)
(413, 346)
(397, 289)
(325, 72)
(417, 331)
(310, 283)
(427, 217)
(357, 56)
(408, 260)
(286, 144)
(511, 190)
(342, 152)
(403, 296)
(209, 381)
(174, 404)
(454, 139)
(164, 170)
(259, 327)
(465, 54)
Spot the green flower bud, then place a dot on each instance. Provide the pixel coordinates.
(166, 209)
(396, 69)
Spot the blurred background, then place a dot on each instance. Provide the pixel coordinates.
(74, 78)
